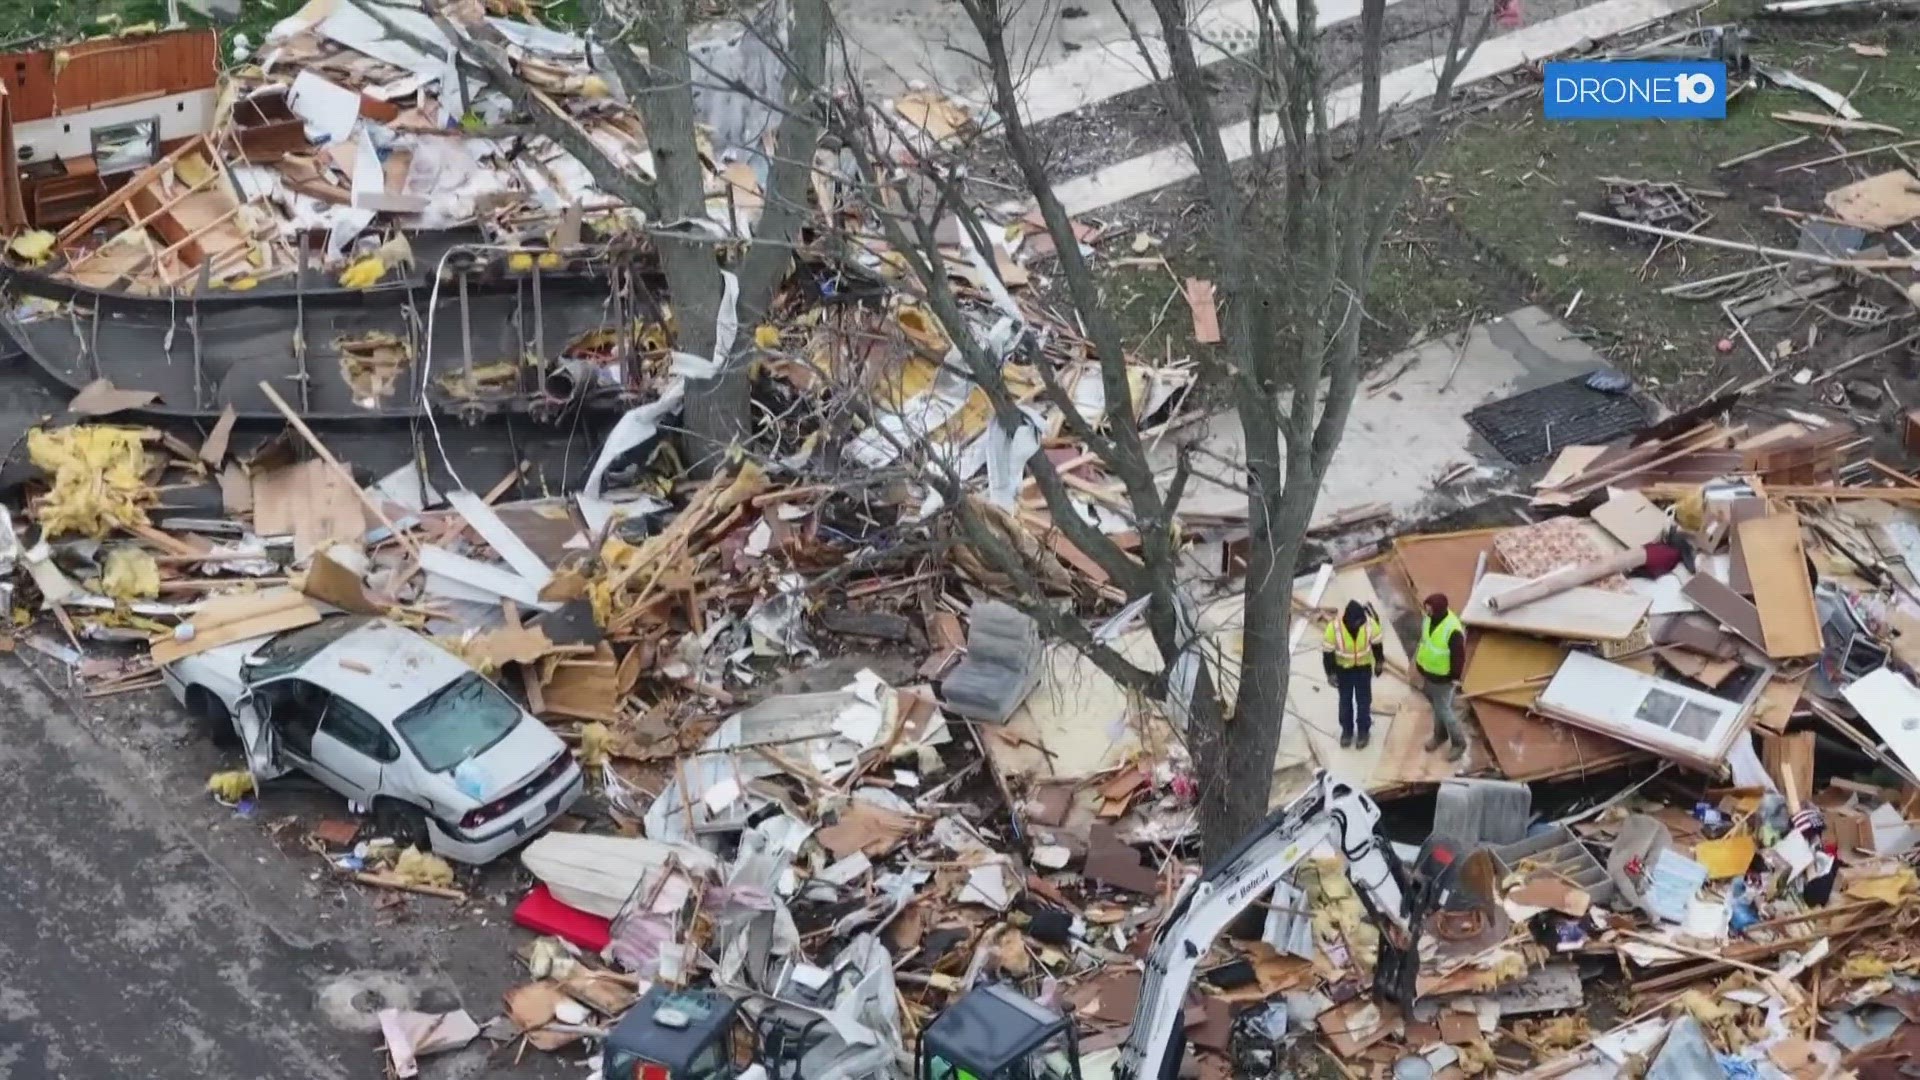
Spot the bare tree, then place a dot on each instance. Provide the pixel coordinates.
(1292, 239)
(1293, 243)
(645, 44)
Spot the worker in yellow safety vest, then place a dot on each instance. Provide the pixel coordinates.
(1442, 654)
(1351, 653)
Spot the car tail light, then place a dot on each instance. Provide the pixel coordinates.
(647, 1070)
(480, 816)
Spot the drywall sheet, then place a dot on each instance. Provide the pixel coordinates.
(1782, 592)
(1500, 659)
(1891, 706)
(1582, 613)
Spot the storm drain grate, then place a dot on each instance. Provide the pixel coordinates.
(1533, 426)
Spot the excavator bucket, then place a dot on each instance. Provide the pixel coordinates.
(1396, 970)
(1396, 973)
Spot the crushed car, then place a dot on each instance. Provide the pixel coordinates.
(442, 758)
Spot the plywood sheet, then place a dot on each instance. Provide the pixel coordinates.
(312, 502)
(1404, 757)
(227, 619)
(1078, 721)
(1572, 461)
(1315, 705)
(1583, 613)
(1445, 563)
(1500, 659)
(1781, 591)
(1629, 518)
(1527, 747)
(1879, 202)
(1778, 701)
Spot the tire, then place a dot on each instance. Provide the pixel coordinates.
(214, 717)
(403, 823)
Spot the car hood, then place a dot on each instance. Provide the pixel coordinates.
(221, 664)
(502, 767)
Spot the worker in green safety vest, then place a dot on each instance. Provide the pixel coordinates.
(1443, 652)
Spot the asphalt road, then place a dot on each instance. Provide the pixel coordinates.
(124, 951)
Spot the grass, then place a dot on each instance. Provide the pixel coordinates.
(1512, 182)
(1491, 225)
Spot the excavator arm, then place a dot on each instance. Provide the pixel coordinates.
(1207, 904)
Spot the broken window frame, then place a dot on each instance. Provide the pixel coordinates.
(106, 166)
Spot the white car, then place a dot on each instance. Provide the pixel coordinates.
(445, 759)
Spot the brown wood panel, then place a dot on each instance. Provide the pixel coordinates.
(107, 70)
(29, 78)
(1740, 510)
(1733, 611)
(1444, 563)
(112, 70)
(1528, 747)
(1782, 592)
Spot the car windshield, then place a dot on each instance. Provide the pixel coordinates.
(288, 652)
(457, 721)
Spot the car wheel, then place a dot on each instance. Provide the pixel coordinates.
(212, 713)
(403, 823)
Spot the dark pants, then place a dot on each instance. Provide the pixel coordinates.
(1356, 700)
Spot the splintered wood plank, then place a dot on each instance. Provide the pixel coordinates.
(1777, 565)
(1206, 319)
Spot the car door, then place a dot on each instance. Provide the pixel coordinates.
(352, 750)
(292, 708)
(256, 736)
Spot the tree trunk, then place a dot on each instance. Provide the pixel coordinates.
(1282, 494)
(1242, 774)
(715, 415)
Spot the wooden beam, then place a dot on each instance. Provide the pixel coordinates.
(1752, 249)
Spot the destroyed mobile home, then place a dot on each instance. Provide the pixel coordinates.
(332, 215)
(1687, 685)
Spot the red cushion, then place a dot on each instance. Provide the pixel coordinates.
(543, 914)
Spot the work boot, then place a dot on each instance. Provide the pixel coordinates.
(1346, 740)
(1434, 743)
(1361, 742)
(1458, 751)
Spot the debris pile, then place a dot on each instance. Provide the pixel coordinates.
(839, 786)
